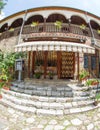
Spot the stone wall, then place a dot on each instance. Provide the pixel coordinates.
(7, 45)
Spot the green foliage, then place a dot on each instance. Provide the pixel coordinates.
(83, 26)
(58, 24)
(11, 29)
(98, 31)
(2, 4)
(37, 75)
(4, 77)
(92, 82)
(50, 74)
(83, 74)
(97, 97)
(89, 82)
(33, 24)
(7, 63)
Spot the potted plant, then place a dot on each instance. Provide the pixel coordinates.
(95, 82)
(37, 75)
(97, 97)
(11, 29)
(1, 85)
(34, 24)
(58, 24)
(83, 75)
(83, 26)
(51, 74)
(88, 82)
(98, 31)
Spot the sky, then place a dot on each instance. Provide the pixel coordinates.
(14, 6)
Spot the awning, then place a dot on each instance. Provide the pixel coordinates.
(54, 45)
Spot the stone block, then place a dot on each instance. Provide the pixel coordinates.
(43, 99)
(38, 105)
(66, 111)
(46, 112)
(49, 93)
(21, 86)
(56, 106)
(51, 99)
(67, 105)
(75, 110)
(28, 91)
(60, 88)
(59, 112)
(62, 100)
(55, 93)
(68, 94)
(45, 105)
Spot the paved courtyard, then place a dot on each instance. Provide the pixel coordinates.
(11, 119)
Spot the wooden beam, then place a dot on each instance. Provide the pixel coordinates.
(33, 61)
(29, 57)
(45, 63)
(78, 65)
(59, 64)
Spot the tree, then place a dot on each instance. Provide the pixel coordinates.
(2, 4)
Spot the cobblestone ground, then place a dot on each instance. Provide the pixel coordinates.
(11, 119)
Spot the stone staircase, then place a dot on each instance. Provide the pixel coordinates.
(49, 100)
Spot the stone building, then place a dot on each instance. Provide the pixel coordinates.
(57, 39)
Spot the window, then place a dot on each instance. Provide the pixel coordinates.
(85, 61)
(93, 62)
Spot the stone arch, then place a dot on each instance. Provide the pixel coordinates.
(56, 16)
(75, 19)
(16, 23)
(4, 27)
(35, 18)
(94, 24)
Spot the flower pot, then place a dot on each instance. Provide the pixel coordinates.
(50, 77)
(6, 88)
(0, 96)
(95, 83)
(95, 103)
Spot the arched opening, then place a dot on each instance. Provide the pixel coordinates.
(94, 25)
(4, 27)
(35, 18)
(17, 23)
(78, 20)
(57, 17)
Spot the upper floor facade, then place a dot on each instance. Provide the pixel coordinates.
(45, 20)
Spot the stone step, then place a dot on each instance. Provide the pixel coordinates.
(47, 105)
(46, 111)
(45, 102)
(50, 92)
(49, 99)
(55, 93)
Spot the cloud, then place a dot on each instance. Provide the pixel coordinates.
(2, 15)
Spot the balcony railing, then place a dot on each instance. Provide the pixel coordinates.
(49, 28)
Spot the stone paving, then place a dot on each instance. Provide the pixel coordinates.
(11, 119)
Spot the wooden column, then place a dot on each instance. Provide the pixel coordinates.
(78, 65)
(33, 61)
(45, 63)
(59, 64)
(44, 26)
(29, 58)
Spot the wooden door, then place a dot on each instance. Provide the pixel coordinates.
(67, 65)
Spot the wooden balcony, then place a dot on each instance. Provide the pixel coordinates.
(49, 28)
